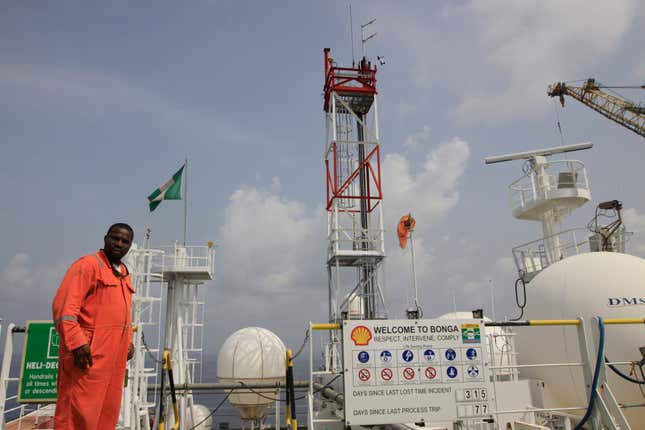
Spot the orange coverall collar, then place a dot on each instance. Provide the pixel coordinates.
(107, 263)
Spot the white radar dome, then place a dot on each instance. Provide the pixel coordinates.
(252, 355)
(605, 284)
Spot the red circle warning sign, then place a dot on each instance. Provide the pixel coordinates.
(431, 373)
(408, 373)
(386, 374)
(364, 375)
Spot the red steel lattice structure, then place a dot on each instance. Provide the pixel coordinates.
(355, 89)
(355, 234)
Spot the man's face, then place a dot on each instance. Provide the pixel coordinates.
(117, 244)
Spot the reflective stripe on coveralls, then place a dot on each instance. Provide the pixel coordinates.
(92, 307)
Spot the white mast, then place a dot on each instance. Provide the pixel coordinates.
(547, 192)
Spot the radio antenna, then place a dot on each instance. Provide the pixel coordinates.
(351, 31)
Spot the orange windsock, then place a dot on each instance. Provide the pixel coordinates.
(406, 225)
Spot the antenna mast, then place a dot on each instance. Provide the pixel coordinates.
(351, 31)
(365, 39)
(355, 247)
(548, 191)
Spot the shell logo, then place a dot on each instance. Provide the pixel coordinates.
(361, 335)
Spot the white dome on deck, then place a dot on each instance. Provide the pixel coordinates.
(252, 355)
(605, 284)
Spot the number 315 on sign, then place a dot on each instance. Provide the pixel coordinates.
(473, 395)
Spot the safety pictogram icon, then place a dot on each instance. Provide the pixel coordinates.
(473, 371)
(450, 354)
(429, 354)
(431, 372)
(408, 373)
(451, 372)
(471, 354)
(364, 375)
(386, 374)
(407, 355)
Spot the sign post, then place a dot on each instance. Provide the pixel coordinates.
(402, 371)
(39, 365)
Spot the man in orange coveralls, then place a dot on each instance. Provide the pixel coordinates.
(92, 316)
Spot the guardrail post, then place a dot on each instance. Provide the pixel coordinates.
(291, 391)
(4, 371)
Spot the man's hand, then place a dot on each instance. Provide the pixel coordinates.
(130, 351)
(82, 357)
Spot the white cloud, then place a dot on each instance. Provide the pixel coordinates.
(27, 284)
(635, 222)
(16, 273)
(532, 44)
(430, 193)
(422, 136)
(268, 244)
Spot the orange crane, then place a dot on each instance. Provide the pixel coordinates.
(624, 112)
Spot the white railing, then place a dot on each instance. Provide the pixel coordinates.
(351, 239)
(558, 176)
(190, 258)
(530, 258)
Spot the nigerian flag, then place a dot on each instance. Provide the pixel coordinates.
(170, 190)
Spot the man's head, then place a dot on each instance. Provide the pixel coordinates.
(117, 241)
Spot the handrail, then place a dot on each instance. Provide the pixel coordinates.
(325, 326)
(531, 323)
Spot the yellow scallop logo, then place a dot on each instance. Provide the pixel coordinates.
(361, 335)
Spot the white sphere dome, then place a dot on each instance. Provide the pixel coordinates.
(605, 284)
(252, 355)
(197, 415)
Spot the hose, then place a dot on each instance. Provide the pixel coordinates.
(622, 375)
(520, 281)
(594, 384)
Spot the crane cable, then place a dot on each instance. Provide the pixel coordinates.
(557, 119)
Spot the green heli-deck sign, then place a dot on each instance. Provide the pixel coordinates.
(39, 363)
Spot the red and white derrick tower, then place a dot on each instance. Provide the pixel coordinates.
(355, 238)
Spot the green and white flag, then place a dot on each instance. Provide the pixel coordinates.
(170, 190)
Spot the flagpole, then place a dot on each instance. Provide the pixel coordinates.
(185, 199)
(414, 274)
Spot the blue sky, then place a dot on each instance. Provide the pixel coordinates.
(101, 103)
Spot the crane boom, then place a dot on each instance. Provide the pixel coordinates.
(625, 113)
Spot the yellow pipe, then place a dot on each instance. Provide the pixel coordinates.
(166, 360)
(554, 322)
(167, 365)
(175, 410)
(624, 321)
(325, 326)
(287, 410)
(291, 408)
